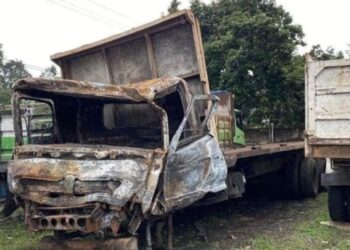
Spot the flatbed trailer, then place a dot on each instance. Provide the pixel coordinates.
(234, 154)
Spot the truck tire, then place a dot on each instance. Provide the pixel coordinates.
(337, 203)
(292, 178)
(10, 205)
(321, 165)
(309, 178)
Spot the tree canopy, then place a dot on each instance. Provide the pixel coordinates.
(13, 70)
(10, 71)
(249, 46)
(49, 73)
(317, 53)
(174, 6)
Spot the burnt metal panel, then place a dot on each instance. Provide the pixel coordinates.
(193, 171)
(169, 46)
(90, 67)
(129, 62)
(137, 92)
(195, 165)
(195, 86)
(129, 173)
(174, 50)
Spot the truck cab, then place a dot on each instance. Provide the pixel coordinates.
(113, 155)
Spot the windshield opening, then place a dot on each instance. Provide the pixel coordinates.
(66, 119)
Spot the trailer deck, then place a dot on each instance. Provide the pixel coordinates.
(233, 154)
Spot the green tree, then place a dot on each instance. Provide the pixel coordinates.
(49, 73)
(10, 71)
(317, 53)
(249, 46)
(174, 6)
(13, 70)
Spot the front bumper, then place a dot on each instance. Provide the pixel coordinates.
(77, 195)
(56, 182)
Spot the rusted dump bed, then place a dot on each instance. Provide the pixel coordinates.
(170, 46)
(233, 154)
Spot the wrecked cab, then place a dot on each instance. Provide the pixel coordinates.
(111, 156)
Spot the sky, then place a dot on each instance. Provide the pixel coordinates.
(32, 30)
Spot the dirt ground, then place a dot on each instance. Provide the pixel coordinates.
(260, 222)
(255, 222)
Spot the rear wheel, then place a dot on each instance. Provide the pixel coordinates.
(292, 178)
(337, 203)
(309, 178)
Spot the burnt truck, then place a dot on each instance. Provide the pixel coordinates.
(136, 134)
(327, 101)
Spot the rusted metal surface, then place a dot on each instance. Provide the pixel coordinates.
(89, 182)
(129, 174)
(224, 118)
(121, 153)
(195, 168)
(330, 151)
(327, 86)
(169, 46)
(137, 92)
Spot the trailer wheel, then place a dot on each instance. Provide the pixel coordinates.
(309, 178)
(321, 165)
(292, 178)
(337, 203)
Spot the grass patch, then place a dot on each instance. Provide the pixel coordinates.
(14, 236)
(309, 233)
